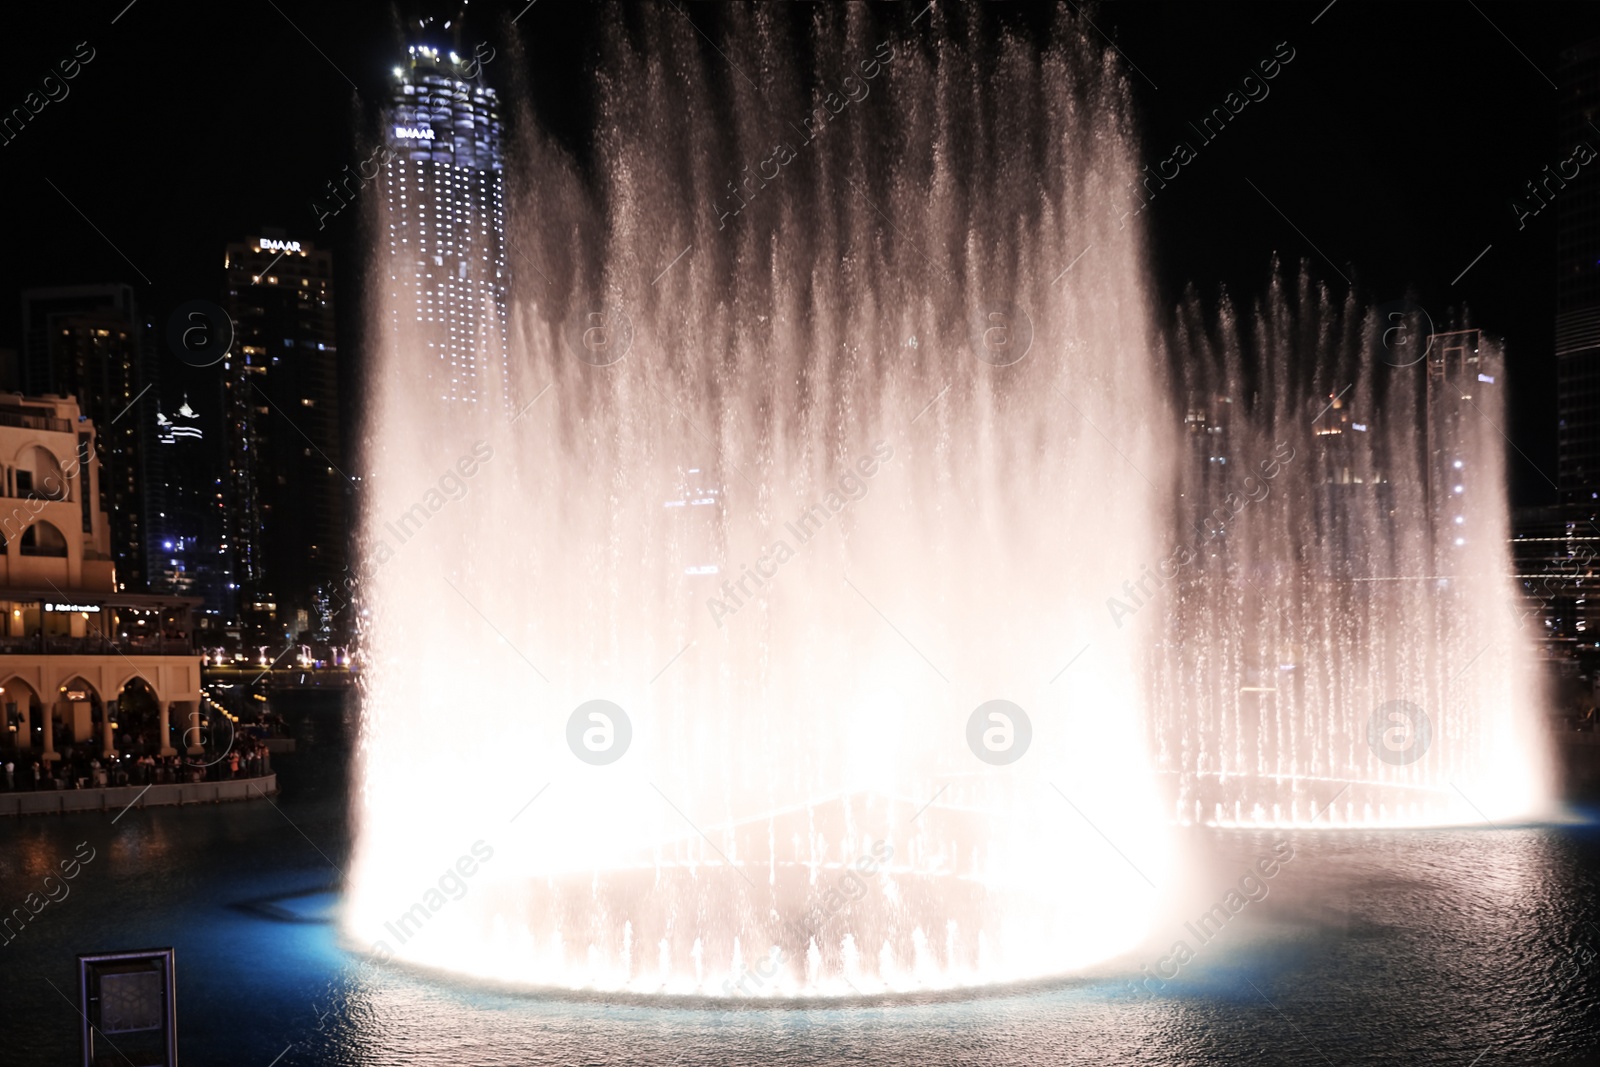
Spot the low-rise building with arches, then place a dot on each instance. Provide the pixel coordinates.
(76, 650)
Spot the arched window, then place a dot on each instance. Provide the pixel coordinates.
(20, 711)
(77, 688)
(43, 539)
(39, 474)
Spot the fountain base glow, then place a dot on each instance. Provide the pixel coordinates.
(672, 923)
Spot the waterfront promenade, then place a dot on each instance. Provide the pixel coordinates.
(118, 799)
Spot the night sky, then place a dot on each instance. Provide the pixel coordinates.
(1395, 140)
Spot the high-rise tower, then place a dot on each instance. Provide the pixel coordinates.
(445, 226)
(89, 342)
(287, 487)
(1575, 190)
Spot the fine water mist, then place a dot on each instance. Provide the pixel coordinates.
(1343, 643)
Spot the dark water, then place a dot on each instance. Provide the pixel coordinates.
(1454, 947)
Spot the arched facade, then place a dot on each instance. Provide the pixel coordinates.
(42, 480)
(24, 715)
(73, 694)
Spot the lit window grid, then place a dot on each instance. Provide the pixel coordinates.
(456, 195)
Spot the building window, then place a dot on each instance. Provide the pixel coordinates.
(43, 539)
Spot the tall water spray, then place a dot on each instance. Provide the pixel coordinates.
(827, 408)
(1342, 640)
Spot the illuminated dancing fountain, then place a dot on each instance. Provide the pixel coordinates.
(821, 336)
(829, 415)
(1341, 544)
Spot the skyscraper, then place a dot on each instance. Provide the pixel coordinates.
(285, 484)
(445, 226)
(89, 343)
(187, 510)
(1575, 192)
(1556, 551)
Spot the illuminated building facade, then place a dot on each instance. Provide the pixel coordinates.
(286, 491)
(445, 226)
(83, 664)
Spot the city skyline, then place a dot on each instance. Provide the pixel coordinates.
(633, 531)
(1452, 214)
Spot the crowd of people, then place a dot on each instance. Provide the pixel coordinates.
(85, 768)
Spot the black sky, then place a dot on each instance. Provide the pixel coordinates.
(1395, 142)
